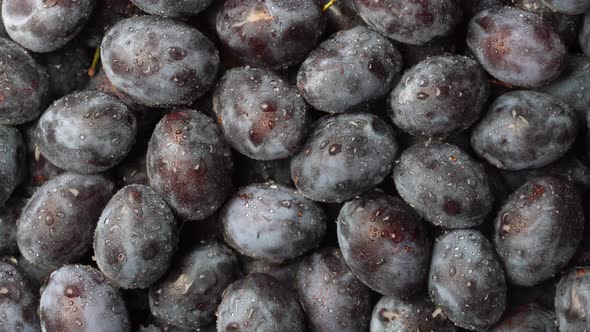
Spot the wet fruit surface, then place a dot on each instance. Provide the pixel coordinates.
(384, 243)
(345, 155)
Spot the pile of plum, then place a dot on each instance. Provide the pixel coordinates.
(294, 165)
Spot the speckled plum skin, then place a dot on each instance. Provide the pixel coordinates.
(44, 26)
(86, 132)
(23, 85)
(444, 184)
(530, 317)
(270, 33)
(538, 229)
(333, 299)
(159, 62)
(467, 279)
(517, 47)
(188, 296)
(384, 243)
(272, 222)
(189, 164)
(258, 302)
(349, 70)
(572, 300)
(525, 129)
(573, 86)
(410, 22)
(18, 302)
(261, 115)
(135, 238)
(57, 224)
(12, 161)
(441, 95)
(584, 35)
(173, 8)
(346, 155)
(80, 298)
(416, 313)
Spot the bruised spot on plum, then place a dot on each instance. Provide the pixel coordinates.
(376, 67)
(72, 291)
(424, 17)
(452, 207)
(580, 272)
(335, 149)
(176, 53)
(537, 191)
(486, 23)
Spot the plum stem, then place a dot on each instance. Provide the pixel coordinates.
(92, 69)
(328, 5)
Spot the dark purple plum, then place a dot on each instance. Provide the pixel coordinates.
(331, 296)
(173, 8)
(566, 26)
(272, 222)
(416, 313)
(439, 96)
(410, 22)
(159, 62)
(18, 300)
(342, 16)
(188, 296)
(538, 229)
(270, 33)
(584, 35)
(258, 302)
(135, 238)
(285, 272)
(467, 279)
(573, 86)
(45, 25)
(384, 243)
(530, 317)
(573, 168)
(12, 161)
(86, 132)
(40, 170)
(80, 298)
(349, 70)
(346, 155)
(572, 300)
(67, 69)
(444, 184)
(57, 224)
(253, 171)
(261, 115)
(525, 129)
(189, 164)
(23, 85)
(571, 7)
(517, 47)
(9, 214)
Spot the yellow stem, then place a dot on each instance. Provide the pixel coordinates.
(328, 5)
(92, 69)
